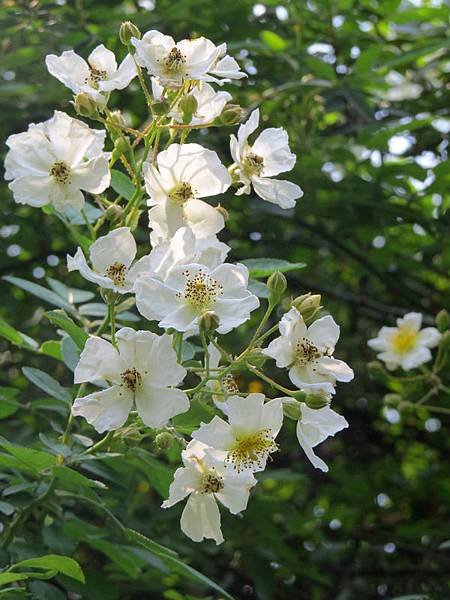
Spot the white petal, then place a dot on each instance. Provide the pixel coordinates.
(429, 336)
(378, 344)
(292, 324)
(417, 357)
(337, 369)
(278, 191)
(272, 416)
(92, 176)
(103, 59)
(156, 405)
(236, 491)
(317, 462)
(304, 378)
(122, 77)
(229, 68)
(200, 55)
(217, 434)
(247, 129)
(105, 410)
(282, 350)
(30, 153)
(324, 333)
(118, 246)
(412, 319)
(245, 415)
(99, 360)
(155, 299)
(34, 191)
(72, 70)
(78, 263)
(201, 518)
(319, 424)
(273, 145)
(185, 481)
(233, 312)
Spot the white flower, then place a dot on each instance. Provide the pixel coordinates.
(307, 352)
(314, 427)
(190, 290)
(248, 439)
(210, 103)
(184, 248)
(53, 161)
(406, 345)
(269, 155)
(141, 371)
(205, 479)
(96, 77)
(185, 173)
(194, 60)
(112, 259)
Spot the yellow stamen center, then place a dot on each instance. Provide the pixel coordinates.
(117, 272)
(404, 339)
(131, 379)
(174, 62)
(181, 193)
(60, 171)
(200, 290)
(252, 450)
(212, 482)
(95, 75)
(253, 164)
(306, 352)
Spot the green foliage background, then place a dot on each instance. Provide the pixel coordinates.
(372, 228)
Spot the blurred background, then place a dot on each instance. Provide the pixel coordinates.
(361, 88)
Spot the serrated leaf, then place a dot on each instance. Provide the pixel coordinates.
(61, 564)
(263, 267)
(40, 292)
(122, 184)
(46, 383)
(60, 319)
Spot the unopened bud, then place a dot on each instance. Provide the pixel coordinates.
(117, 118)
(223, 211)
(127, 31)
(377, 372)
(392, 400)
(443, 320)
(114, 213)
(188, 104)
(122, 144)
(160, 107)
(292, 408)
(276, 285)
(317, 399)
(445, 341)
(209, 321)
(231, 114)
(163, 440)
(84, 105)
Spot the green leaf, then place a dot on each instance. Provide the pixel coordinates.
(40, 292)
(273, 40)
(263, 267)
(52, 348)
(70, 353)
(8, 405)
(75, 479)
(46, 383)
(159, 475)
(122, 184)
(188, 421)
(258, 288)
(37, 460)
(62, 564)
(60, 319)
(9, 333)
(72, 295)
(6, 578)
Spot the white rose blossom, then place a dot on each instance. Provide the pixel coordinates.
(142, 370)
(192, 289)
(308, 352)
(184, 173)
(184, 248)
(175, 62)
(96, 77)
(112, 259)
(204, 479)
(257, 163)
(248, 438)
(54, 161)
(407, 345)
(210, 103)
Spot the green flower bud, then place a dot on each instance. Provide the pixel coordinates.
(292, 409)
(84, 105)
(231, 115)
(114, 213)
(443, 320)
(163, 440)
(445, 341)
(160, 107)
(188, 104)
(300, 396)
(393, 400)
(317, 399)
(127, 31)
(277, 285)
(209, 321)
(308, 305)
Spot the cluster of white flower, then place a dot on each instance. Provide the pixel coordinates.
(183, 283)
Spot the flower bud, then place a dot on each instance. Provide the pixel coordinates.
(292, 408)
(443, 320)
(308, 305)
(122, 144)
(188, 104)
(276, 285)
(117, 117)
(84, 105)
(160, 107)
(299, 395)
(163, 440)
(445, 341)
(127, 31)
(223, 211)
(114, 213)
(209, 321)
(231, 115)
(316, 399)
(378, 372)
(392, 400)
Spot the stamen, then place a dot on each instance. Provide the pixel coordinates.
(306, 352)
(404, 340)
(131, 379)
(201, 290)
(181, 193)
(253, 164)
(117, 272)
(174, 61)
(60, 171)
(212, 482)
(252, 451)
(229, 384)
(95, 75)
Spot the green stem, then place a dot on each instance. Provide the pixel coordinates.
(206, 350)
(100, 444)
(271, 381)
(112, 321)
(88, 224)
